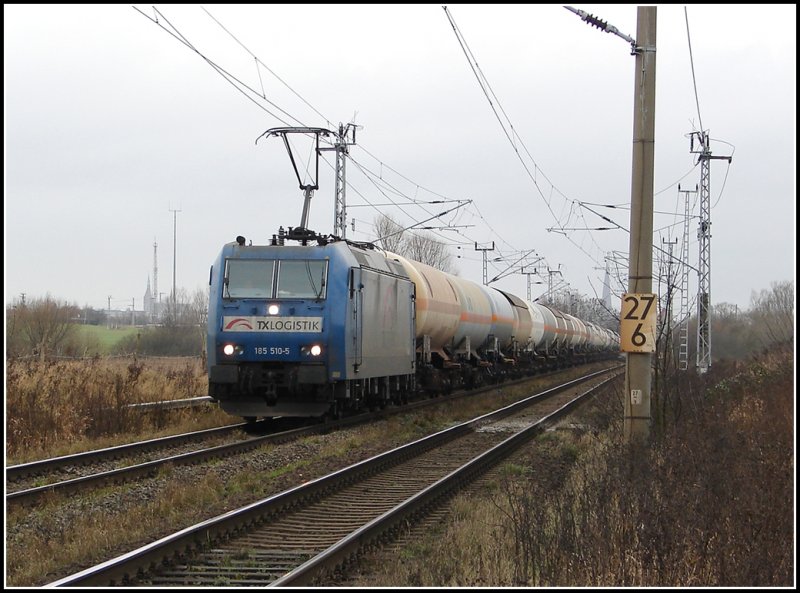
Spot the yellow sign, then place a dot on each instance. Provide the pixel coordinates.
(637, 331)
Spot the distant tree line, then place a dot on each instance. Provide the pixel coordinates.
(735, 336)
(738, 334)
(49, 327)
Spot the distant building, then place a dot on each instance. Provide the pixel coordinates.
(151, 306)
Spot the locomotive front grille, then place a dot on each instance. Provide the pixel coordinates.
(271, 377)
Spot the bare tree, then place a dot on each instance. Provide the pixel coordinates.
(15, 344)
(197, 315)
(772, 312)
(390, 233)
(174, 310)
(419, 246)
(422, 247)
(44, 325)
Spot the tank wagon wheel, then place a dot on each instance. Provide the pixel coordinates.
(447, 386)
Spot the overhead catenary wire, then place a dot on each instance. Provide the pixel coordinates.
(241, 85)
(483, 83)
(691, 61)
(258, 61)
(568, 207)
(727, 170)
(224, 73)
(229, 77)
(286, 117)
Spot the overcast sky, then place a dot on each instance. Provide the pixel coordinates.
(111, 123)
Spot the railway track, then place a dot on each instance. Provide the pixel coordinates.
(299, 535)
(29, 483)
(43, 467)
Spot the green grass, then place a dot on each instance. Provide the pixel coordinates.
(106, 338)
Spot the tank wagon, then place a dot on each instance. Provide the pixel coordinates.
(328, 326)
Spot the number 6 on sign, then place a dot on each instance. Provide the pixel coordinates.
(638, 322)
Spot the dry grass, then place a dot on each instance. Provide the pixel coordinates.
(54, 408)
(36, 557)
(48, 543)
(710, 504)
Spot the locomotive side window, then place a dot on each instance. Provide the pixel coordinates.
(302, 279)
(248, 278)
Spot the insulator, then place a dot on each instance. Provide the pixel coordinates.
(593, 20)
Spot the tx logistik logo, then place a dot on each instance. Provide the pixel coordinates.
(239, 322)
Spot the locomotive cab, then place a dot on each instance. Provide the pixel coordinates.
(299, 330)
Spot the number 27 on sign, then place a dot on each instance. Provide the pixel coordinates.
(638, 322)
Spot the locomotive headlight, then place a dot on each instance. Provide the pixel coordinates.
(231, 349)
(273, 309)
(313, 350)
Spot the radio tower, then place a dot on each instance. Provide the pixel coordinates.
(704, 239)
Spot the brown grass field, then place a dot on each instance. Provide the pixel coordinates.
(709, 502)
(55, 408)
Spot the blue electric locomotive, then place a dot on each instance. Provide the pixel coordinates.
(309, 329)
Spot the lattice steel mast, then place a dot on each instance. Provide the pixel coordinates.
(340, 204)
(683, 315)
(704, 240)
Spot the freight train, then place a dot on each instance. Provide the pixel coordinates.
(317, 326)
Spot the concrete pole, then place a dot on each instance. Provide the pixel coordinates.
(638, 372)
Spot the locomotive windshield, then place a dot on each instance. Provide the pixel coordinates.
(248, 278)
(253, 278)
(302, 279)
